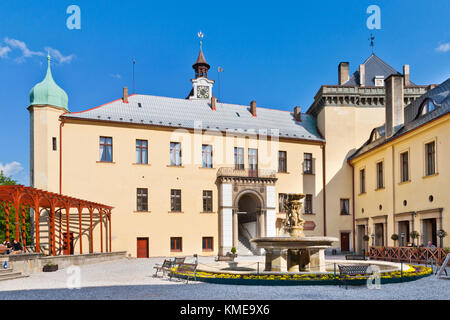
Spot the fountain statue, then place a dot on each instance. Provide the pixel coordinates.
(295, 252)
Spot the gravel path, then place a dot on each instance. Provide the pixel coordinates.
(132, 279)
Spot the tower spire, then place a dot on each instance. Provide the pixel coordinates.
(200, 66)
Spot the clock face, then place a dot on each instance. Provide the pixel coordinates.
(203, 92)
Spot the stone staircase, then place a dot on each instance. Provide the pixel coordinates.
(9, 274)
(244, 247)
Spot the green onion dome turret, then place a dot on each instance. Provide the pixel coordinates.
(48, 92)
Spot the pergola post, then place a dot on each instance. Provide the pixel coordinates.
(17, 210)
(24, 233)
(53, 228)
(101, 230)
(60, 230)
(68, 229)
(37, 237)
(7, 209)
(109, 214)
(91, 236)
(80, 209)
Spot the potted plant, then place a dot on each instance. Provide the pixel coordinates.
(233, 252)
(50, 267)
(414, 235)
(394, 237)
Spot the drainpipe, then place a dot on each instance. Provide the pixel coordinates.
(60, 154)
(324, 192)
(353, 207)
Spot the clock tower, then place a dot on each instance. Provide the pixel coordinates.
(201, 85)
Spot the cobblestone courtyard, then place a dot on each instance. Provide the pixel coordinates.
(132, 279)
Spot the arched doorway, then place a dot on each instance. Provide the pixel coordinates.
(250, 222)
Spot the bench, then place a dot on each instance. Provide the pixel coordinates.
(165, 267)
(354, 257)
(189, 270)
(346, 271)
(178, 261)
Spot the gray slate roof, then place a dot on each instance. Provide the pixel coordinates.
(374, 66)
(183, 113)
(440, 96)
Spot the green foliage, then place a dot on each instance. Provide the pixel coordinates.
(233, 250)
(366, 237)
(394, 237)
(4, 180)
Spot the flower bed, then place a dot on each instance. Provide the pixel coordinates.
(412, 273)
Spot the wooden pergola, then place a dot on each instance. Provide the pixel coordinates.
(22, 198)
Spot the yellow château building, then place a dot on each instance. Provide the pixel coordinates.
(199, 176)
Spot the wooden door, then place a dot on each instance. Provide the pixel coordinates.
(345, 241)
(142, 248)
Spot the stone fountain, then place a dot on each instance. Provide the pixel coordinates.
(295, 252)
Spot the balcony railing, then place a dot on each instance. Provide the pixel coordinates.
(246, 173)
(408, 254)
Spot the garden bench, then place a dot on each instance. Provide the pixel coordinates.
(228, 257)
(354, 257)
(189, 270)
(165, 267)
(178, 261)
(352, 271)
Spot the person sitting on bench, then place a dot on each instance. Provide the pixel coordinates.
(16, 247)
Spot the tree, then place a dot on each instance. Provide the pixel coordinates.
(8, 181)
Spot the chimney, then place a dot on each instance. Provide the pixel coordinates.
(406, 75)
(253, 108)
(394, 103)
(362, 75)
(343, 72)
(213, 103)
(125, 95)
(297, 113)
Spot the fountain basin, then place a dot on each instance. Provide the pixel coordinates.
(294, 254)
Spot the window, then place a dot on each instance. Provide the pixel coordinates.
(54, 143)
(430, 161)
(239, 158)
(176, 244)
(253, 162)
(142, 151)
(207, 243)
(345, 206)
(380, 182)
(307, 163)
(428, 106)
(282, 202)
(362, 181)
(175, 200)
(207, 201)
(282, 161)
(308, 204)
(106, 149)
(175, 154)
(207, 156)
(142, 199)
(404, 167)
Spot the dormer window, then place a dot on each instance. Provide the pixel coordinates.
(428, 106)
(379, 81)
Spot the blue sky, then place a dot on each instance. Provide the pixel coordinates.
(277, 53)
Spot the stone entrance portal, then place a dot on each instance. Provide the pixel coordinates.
(246, 208)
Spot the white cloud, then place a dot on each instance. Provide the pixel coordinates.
(26, 53)
(444, 47)
(58, 56)
(115, 76)
(11, 168)
(4, 51)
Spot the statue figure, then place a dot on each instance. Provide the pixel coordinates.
(294, 221)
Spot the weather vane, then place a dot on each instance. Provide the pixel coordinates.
(200, 36)
(371, 41)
